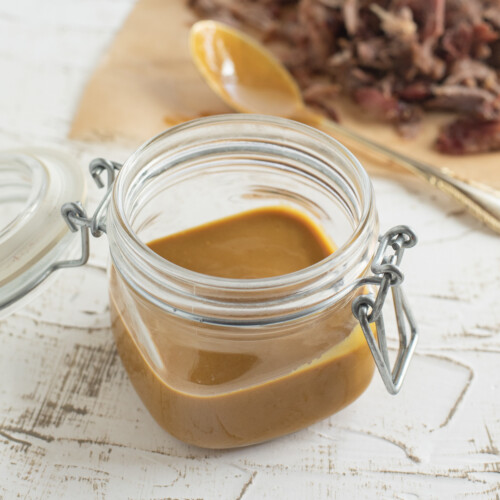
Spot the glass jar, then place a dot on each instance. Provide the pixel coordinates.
(222, 362)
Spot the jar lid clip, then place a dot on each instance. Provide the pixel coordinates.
(366, 309)
(76, 217)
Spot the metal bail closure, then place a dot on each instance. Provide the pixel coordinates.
(76, 217)
(367, 309)
(34, 177)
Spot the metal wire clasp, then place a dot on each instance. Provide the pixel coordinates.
(76, 217)
(366, 309)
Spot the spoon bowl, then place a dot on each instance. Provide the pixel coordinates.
(224, 55)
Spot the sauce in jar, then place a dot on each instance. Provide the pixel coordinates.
(219, 392)
(259, 243)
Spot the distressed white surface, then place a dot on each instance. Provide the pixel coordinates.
(71, 425)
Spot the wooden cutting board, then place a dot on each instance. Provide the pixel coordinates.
(147, 83)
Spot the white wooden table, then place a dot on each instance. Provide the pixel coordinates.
(71, 426)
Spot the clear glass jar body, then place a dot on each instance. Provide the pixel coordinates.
(222, 362)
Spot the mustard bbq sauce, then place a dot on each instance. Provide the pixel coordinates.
(220, 392)
(260, 243)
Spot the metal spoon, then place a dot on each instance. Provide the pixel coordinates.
(251, 80)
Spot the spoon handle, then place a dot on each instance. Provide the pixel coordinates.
(481, 201)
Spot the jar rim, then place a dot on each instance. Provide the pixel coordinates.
(341, 254)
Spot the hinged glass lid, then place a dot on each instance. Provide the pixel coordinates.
(34, 184)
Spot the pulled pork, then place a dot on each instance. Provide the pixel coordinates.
(395, 58)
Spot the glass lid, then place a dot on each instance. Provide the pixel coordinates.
(34, 184)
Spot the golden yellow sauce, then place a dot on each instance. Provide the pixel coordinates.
(219, 392)
(260, 243)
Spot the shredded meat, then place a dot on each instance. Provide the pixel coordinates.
(465, 136)
(396, 59)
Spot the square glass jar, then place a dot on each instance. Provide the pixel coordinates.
(223, 362)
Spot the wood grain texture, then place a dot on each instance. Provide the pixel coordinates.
(71, 425)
